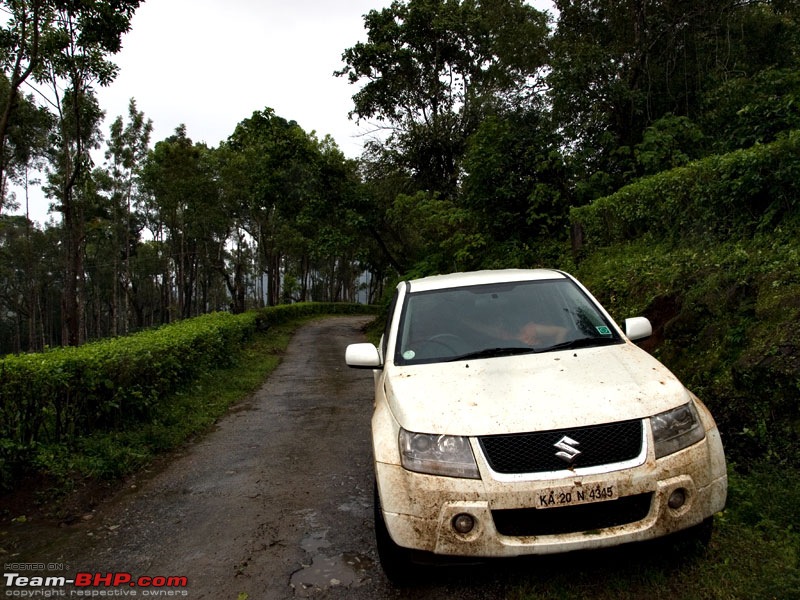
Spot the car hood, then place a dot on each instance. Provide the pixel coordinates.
(533, 392)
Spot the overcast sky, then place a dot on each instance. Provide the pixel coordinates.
(209, 64)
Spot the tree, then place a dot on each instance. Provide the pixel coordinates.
(517, 184)
(22, 44)
(756, 109)
(384, 179)
(271, 165)
(127, 149)
(330, 226)
(24, 145)
(445, 236)
(668, 143)
(237, 260)
(297, 199)
(69, 177)
(620, 66)
(85, 32)
(181, 180)
(435, 68)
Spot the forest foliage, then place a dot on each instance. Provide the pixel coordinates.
(649, 146)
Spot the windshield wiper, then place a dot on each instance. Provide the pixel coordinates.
(587, 342)
(494, 352)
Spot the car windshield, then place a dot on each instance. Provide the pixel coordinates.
(502, 319)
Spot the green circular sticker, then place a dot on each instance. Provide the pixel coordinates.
(409, 354)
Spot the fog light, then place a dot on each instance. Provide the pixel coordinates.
(677, 499)
(463, 523)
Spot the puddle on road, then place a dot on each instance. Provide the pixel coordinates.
(357, 506)
(349, 569)
(315, 542)
(345, 570)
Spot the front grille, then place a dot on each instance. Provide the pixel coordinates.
(536, 452)
(522, 522)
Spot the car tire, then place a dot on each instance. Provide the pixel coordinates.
(395, 560)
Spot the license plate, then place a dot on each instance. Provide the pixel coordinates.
(570, 496)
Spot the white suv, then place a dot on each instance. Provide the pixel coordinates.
(513, 416)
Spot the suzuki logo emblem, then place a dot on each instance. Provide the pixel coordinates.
(568, 450)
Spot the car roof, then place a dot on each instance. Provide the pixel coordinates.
(452, 280)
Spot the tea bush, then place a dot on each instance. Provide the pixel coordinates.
(57, 398)
(744, 192)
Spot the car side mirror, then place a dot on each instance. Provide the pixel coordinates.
(638, 328)
(363, 356)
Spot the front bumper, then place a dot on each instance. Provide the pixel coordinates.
(529, 517)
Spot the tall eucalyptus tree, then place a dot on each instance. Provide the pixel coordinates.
(24, 40)
(84, 34)
(127, 149)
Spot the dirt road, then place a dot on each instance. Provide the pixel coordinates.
(275, 503)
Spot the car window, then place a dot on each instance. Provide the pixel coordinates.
(498, 319)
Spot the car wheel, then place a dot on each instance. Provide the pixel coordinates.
(395, 560)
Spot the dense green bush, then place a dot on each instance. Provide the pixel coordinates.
(59, 397)
(746, 191)
(709, 252)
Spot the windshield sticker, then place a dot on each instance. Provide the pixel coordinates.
(409, 354)
(603, 330)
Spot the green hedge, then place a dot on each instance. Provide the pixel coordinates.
(744, 191)
(59, 394)
(64, 394)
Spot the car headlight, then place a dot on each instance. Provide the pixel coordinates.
(447, 455)
(676, 429)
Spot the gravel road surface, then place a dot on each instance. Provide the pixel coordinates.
(275, 503)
